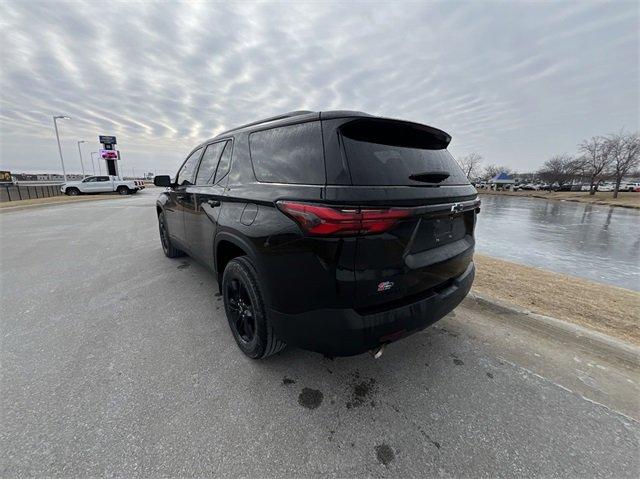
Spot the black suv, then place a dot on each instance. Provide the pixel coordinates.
(337, 231)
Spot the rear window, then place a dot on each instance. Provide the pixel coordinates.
(289, 154)
(389, 153)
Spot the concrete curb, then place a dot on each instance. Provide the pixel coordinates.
(587, 339)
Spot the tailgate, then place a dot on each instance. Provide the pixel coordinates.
(419, 256)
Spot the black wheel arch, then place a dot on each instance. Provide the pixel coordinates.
(227, 246)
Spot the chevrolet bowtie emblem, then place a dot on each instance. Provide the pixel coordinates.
(456, 208)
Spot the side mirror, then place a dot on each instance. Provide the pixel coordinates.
(162, 180)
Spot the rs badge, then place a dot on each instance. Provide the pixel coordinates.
(384, 286)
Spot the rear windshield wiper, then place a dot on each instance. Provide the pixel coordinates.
(430, 176)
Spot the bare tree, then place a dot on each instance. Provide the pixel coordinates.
(595, 160)
(470, 164)
(559, 169)
(625, 156)
(492, 170)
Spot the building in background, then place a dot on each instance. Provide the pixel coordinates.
(51, 177)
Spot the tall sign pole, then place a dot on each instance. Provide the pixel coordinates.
(55, 125)
(80, 153)
(110, 154)
(93, 165)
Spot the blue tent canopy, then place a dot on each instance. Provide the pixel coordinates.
(502, 178)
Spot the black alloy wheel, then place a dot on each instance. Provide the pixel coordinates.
(244, 306)
(164, 238)
(169, 250)
(242, 316)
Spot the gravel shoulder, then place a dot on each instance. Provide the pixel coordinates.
(607, 309)
(624, 199)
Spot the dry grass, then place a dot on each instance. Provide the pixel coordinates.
(56, 200)
(625, 199)
(608, 309)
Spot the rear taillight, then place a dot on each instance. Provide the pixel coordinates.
(328, 220)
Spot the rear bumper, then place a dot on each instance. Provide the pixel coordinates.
(345, 332)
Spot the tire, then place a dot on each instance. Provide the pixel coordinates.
(241, 291)
(122, 190)
(72, 192)
(170, 251)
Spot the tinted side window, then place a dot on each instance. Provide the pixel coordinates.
(91, 179)
(289, 154)
(209, 162)
(225, 162)
(103, 178)
(185, 176)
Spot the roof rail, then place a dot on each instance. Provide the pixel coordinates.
(271, 118)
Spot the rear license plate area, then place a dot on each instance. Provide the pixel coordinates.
(443, 229)
(435, 232)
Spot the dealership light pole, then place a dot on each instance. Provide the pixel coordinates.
(93, 164)
(80, 153)
(55, 125)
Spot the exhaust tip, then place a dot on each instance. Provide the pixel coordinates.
(377, 352)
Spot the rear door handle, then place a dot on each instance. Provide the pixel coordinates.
(213, 202)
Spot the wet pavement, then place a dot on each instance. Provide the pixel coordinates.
(117, 361)
(599, 243)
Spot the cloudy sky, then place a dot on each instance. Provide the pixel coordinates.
(513, 81)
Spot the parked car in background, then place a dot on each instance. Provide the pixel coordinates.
(630, 186)
(7, 179)
(102, 184)
(606, 187)
(337, 232)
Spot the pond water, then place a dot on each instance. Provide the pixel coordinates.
(599, 243)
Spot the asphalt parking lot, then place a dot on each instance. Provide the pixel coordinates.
(117, 361)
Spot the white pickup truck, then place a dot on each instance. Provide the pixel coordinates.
(102, 184)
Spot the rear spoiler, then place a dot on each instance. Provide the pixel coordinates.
(396, 133)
